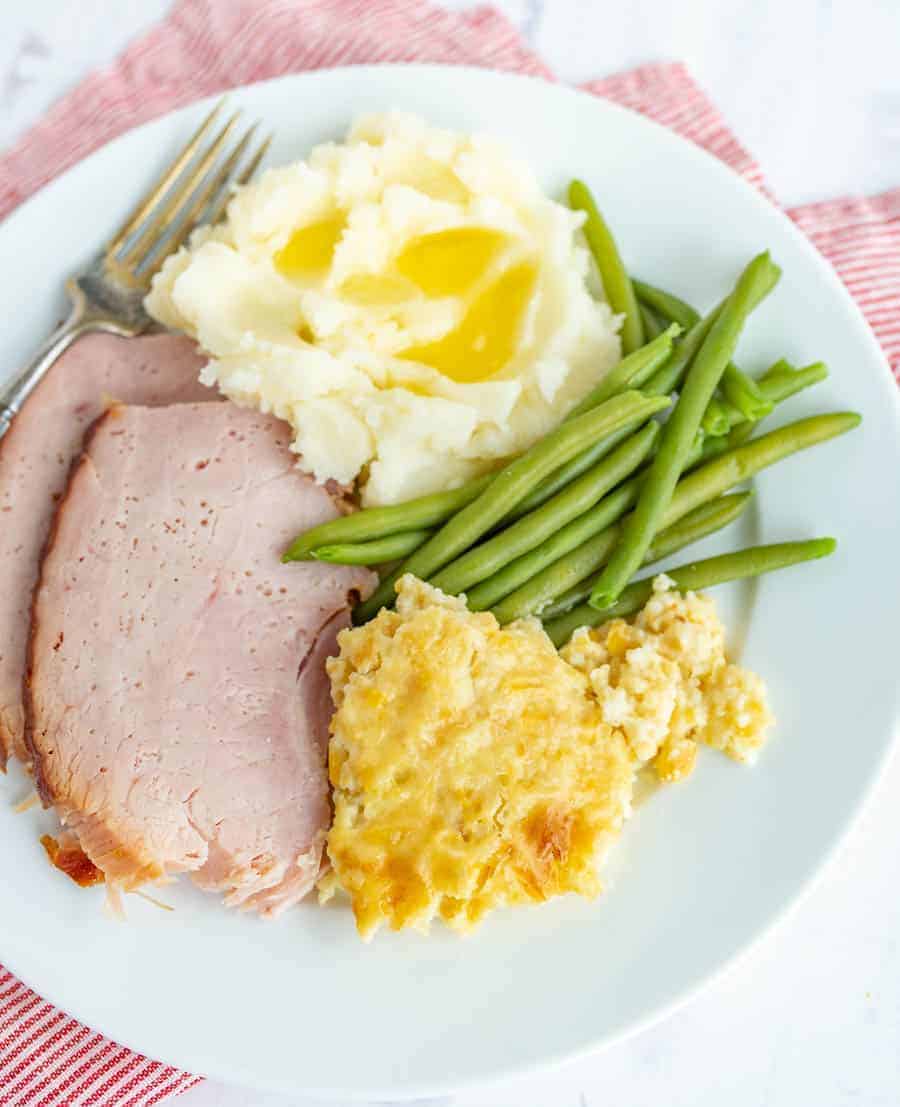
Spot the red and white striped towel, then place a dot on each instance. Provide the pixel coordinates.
(204, 46)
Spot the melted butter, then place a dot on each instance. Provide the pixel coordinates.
(454, 262)
(437, 181)
(488, 335)
(310, 249)
(448, 263)
(415, 387)
(367, 289)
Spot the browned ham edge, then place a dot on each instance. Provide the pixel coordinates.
(64, 853)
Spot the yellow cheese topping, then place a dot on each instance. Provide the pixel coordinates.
(470, 766)
(473, 767)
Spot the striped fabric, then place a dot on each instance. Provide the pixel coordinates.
(860, 236)
(204, 46)
(49, 1060)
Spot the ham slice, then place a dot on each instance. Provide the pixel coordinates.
(177, 702)
(36, 456)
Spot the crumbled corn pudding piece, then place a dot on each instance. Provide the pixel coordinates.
(474, 767)
(664, 680)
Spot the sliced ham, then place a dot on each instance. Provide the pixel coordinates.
(36, 457)
(177, 702)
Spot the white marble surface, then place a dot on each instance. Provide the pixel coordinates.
(811, 1018)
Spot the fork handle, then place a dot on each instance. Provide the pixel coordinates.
(81, 319)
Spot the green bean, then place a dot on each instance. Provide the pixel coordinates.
(720, 444)
(376, 522)
(517, 574)
(488, 558)
(782, 380)
(784, 368)
(383, 596)
(722, 414)
(777, 384)
(670, 307)
(744, 394)
(716, 419)
(703, 520)
(552, 578)
(679, 431)
(565, 474)
(653, 325)
(573, 536)
(740, 393)
(515, 481)
(375, 552)
(630, 372)
(613, 274)
(642, 364)
(669, 377)
(737, 465)
(751, 562)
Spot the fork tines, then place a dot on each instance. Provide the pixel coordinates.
(193, 189)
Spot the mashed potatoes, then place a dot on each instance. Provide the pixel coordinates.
(408, 300)
(473, 767)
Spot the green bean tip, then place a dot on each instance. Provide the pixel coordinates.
(824, 546)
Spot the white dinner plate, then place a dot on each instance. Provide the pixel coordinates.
(707, 865)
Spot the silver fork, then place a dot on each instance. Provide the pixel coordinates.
(108, 295)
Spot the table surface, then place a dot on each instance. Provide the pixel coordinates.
(812, 1015)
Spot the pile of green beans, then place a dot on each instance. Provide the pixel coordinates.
(521, 570)
(552, 576)
(680, 430)
(580, 496)
(512, 484)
